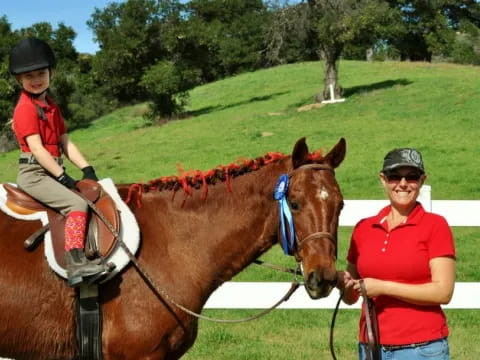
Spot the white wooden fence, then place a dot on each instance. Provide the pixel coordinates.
(260, 295)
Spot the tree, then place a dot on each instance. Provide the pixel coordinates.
(140, 40)
(167, 85)
(337, 23)
(130, 38)
(429, 27)
(226, 35)
(288, 38)
(7, 83)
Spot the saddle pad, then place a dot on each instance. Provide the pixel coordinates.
(129, 230)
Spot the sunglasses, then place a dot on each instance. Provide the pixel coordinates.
(399, 177)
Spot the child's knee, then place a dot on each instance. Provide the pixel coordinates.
(79, 205)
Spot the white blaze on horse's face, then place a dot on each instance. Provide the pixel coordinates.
(322, 194)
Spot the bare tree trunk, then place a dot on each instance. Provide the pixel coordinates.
(331, 77)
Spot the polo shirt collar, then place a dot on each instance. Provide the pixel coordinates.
(43, 105)
(413, 218)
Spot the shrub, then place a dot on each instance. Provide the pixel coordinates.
(167, 84)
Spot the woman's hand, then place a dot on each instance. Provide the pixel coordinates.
(373, 287)
(345, 280)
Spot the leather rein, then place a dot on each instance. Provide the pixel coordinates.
(371, 324)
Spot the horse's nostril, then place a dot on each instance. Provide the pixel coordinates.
(313, 280)
(316, 280)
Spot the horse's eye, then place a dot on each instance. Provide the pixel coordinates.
(294, 205)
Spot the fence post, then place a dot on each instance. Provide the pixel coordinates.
(425, 197)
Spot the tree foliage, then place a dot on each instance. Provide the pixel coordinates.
(167, 85)
(129, 38)
(229, 35)
(204, 39)
(289, 37)
(429, 27)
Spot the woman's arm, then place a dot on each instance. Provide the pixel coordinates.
(72, 152)
(438, 291)
(41, 154)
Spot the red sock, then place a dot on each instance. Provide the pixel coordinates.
(75, 230)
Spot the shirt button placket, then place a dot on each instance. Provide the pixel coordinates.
(385, 243)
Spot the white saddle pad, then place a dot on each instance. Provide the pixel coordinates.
(129, 230)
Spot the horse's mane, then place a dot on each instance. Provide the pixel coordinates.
(196, 179)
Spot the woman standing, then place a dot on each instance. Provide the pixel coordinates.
(405, 258)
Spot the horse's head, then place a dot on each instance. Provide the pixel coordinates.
(315, 201)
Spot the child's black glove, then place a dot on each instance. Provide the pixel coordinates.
(66, 180)
(89, 173)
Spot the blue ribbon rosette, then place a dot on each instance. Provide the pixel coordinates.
(287, 229)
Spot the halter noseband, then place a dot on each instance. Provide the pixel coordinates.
(316, 235)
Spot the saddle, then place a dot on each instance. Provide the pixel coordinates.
(100, 242)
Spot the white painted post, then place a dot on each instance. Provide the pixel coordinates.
(332, 96)
(332, 93)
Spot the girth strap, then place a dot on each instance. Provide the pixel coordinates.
(89, 323)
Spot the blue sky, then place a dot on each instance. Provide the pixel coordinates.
(73, 13)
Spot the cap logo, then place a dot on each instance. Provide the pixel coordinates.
(411, 156)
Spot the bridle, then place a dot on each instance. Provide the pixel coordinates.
(317, 235)
(300, 243)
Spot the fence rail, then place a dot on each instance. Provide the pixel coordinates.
(260, 295)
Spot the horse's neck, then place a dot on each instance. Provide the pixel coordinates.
(216, 238)
(245, 224)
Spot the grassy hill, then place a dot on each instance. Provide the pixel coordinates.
(390, 104)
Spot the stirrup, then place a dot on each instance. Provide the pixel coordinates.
(75, 281)
(89, 280)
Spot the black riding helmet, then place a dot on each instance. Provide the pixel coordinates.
(31, 54)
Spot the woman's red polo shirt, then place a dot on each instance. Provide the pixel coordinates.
(402, 255)
(27, 121)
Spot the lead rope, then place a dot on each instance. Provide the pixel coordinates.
(278, 267)
(372, 353)
(332, 324)
(371, 324)
(163, 295)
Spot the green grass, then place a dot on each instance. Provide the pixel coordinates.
(304, 334)
(434, 108)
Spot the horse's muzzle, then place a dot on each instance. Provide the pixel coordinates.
(319, 284)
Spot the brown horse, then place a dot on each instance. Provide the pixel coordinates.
(190, 245)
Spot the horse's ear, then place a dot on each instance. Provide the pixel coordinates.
(337, 154)
(300, 153)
